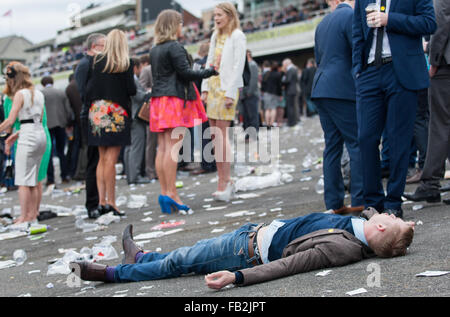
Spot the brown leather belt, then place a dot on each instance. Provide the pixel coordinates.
(253, 245)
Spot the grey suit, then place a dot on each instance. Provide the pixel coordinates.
(134, 153)
(439, 99)
(146, 80)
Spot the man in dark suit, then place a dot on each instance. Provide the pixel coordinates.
(334, 95)
(95, 44)
(306, 82)
(289, 81)
(439, 92)
(389, 67)
(267, 252)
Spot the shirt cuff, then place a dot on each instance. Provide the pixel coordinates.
(239, 278)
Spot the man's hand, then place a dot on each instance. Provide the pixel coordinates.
(219, 279)
(377, 19)
(432, 71)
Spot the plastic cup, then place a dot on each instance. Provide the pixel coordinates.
(371, 7)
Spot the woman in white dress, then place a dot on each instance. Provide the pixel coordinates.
(28, 107)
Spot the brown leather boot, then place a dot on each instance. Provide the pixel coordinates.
(130, 248)
(89, 271)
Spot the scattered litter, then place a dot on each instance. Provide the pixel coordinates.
(240, 213)
(167, 225)
(417, 207)
(7, 264)
(320, 186)
(216, 208)
(50, 285)
(305, 179)
(137, 201)
(259, 182)
(248, 196)
(217, 230)
(88, 227)
(106, 219)
(121, 200)
(179, 184)
(20, 256)
(208, 199)
(357, 291)
(148, 219)
(121, 292)
(236, 202)
(324, 273)
(12, 235)
(213, 223)
(156, 234)
(90, 238)
(34, 271)
(419, 223)
(276, 209)
(432, 273)
(146, 287)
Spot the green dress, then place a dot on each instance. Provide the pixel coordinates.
(48, 150)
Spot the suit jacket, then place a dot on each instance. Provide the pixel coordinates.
(146, 78)
(306, 81)
(317, 250)
(333, 51)
(440, 41)
(138, 100)
(59, 112)
(231, 64)
(290, 81)
(408, 21)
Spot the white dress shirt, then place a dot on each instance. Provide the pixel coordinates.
(386, 51)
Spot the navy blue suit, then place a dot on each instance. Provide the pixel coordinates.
(386, 96)
(334, 94)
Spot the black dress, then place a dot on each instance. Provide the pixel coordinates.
(109, 97)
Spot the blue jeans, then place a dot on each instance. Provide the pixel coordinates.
(226, 252)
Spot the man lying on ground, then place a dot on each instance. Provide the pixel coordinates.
(257, 253)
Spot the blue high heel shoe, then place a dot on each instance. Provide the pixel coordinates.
(168, 205)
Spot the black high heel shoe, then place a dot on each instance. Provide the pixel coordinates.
(114, 210)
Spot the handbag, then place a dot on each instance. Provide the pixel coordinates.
(144, 112)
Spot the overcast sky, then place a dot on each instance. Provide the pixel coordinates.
(38, 20)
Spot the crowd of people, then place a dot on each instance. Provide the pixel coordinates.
(131, 104)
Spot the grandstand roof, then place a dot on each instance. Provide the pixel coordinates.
(103, 11)
(13, 48)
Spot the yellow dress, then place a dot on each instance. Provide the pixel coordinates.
(216, 97)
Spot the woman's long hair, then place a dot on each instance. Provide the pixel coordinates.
(116, 52)
(21, 80)
(234, 22)
(166, 26)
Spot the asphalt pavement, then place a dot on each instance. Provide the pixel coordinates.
(300, 150)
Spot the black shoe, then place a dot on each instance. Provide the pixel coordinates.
(421, 194)
(102, 209)
(110, 208)
(94, 213)
(395, 212)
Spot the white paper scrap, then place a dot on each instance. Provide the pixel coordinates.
(433, 273)
(357, 291)
(324, 273)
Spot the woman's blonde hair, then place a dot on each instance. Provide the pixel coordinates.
(166, 26)
(22, 80)
(116, 52)
(234, 22)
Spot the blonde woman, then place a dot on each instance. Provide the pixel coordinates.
(28, 107)
(227, 52)
(109, 90)
(176, 103)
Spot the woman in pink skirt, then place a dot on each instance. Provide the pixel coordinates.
(175, 104)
